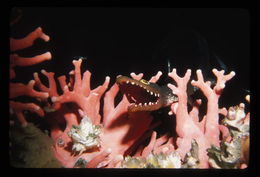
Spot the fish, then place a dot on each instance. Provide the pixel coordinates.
(144, 95)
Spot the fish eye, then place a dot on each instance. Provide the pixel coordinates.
(144, 82)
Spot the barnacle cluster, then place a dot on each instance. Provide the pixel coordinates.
(85, 136)
(226, 156)
(191, 159)
(161, 160)
(236, 120)
(232, 153)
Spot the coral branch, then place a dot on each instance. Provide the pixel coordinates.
(212, 118)
(110, 112)
(185, 126)
(221, 80)
(116, 162)
(18, 109)
(19, 89)
(16, 60)
(166, 148)
(52, 90)
(78, 95)
(161, 140)
(148, 149)
(17, 44)
(182, 110)
(156, 77)
(98, 159)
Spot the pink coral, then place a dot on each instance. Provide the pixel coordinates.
(162, 144)
(188, 127)
(117, 124)
(127, 130)
(122, 133)
(19, 89)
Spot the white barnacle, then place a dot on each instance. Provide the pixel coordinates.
(172, 160)
(85, 136)
(235, 117)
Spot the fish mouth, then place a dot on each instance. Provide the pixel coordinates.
(142, 95)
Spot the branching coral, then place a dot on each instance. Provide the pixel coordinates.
(188, 127)
(80, 93)
(129, 129)
(19, 89)
(117, 124)
(117, 138)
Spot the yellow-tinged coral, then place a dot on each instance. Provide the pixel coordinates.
(135, 162)
(153, 161)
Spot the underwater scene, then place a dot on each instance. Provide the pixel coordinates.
(119, 87)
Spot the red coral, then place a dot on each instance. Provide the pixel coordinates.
(129, 130)
(117, 124)
(88, 100)
(126, 130)
(19, 89)
(163, 144)
(188, 127)
(122, 132)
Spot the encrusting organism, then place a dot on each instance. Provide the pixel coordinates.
(234, 149)
(85, 136)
